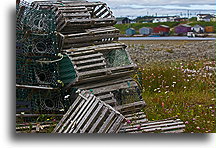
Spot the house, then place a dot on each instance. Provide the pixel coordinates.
(145, 30)
(161, 30)
(123, 20)
(182, 29)
(205, 17)
(130, 31)
(164, 19)
(213, 19)
(209, 29)
(198, 29)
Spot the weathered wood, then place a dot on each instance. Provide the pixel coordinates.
(87, 56)
(35, 87)
(173, 126)
(88, 61)
(105, 83)
(87, 116)
(89, 122)
(102, 65)
(106, 70)
(107, 122)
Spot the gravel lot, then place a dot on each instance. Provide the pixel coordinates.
(144, 52)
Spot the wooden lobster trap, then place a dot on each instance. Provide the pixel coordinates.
(89, 115)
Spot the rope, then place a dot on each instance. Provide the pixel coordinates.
(54, 61)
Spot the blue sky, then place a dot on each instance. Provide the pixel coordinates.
(134, 8)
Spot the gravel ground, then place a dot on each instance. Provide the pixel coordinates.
(144, 52)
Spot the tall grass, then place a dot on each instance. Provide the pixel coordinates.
(183, 90)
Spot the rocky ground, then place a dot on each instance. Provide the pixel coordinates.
(145, 52)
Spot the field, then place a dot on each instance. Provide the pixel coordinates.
(177, 80)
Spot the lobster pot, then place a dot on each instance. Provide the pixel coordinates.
(89, 115)
(76, 16)
(32, 72)
(37, 45)
(88, 37)
(38, 100)
(40, 21)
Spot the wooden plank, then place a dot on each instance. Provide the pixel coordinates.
(36, 87)
(130, 105)
(81, 14)
(111, 88)
(91, 38)
(72, 108)
(86, 56)
(105, 125)
(104, 97)
(92, 130)
(111, 101)
(87, 115)
(89, 61)
(100, 78)
(105, 83)
(165, 128)
(36, 115)
(82, 113)
(91, 66)
(101, 13)
(96, 47)
(89, 122)
(107, 70)
(74, 117)
(98, 10)
(116, 124)
(68, 117)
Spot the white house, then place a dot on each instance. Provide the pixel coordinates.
(198, 29)
(164, 19)
(204, 17)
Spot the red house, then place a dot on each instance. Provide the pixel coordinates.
(161, 30)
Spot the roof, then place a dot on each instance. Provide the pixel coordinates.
(130, 28)
(164, 26)
(146, 27)
(206, 15)
(197, 26)
(184, 25)
(121, 18)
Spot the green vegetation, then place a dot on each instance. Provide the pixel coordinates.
(184, 90)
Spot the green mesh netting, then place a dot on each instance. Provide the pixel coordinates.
(38, 101)
(117, 58)
(33, 72)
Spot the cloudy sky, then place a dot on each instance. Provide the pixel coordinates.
(134, 8)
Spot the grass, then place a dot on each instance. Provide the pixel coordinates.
(180, 89)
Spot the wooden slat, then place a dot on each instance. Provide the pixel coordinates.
(116, 124)
(91, 66)
(73, 121)
(88, 115)
(107, 70)
(86, 56)
(89, 61)
(109, 119)
(98, 121)
(95, 113)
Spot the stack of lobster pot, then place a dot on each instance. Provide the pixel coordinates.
(100, 63)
